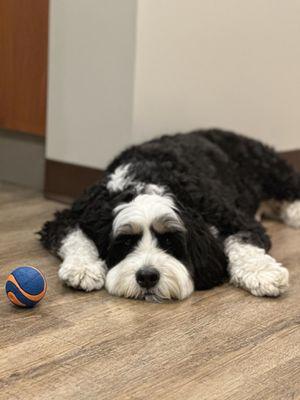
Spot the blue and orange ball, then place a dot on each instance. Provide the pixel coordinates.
(25, 286)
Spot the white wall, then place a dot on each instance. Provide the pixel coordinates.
(91, 71)
(124, 71)
(232, 64)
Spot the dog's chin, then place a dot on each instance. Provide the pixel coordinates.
(149, 295)
(152, 296)
(136, 292)
(158, 294)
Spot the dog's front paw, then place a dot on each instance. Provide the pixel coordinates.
(85, 276)
(267, 279)
(270, 282)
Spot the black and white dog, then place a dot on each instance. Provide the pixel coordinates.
(176, 214)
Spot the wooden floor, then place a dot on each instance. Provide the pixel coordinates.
(220, 344)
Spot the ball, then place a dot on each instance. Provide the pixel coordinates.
(25, 286)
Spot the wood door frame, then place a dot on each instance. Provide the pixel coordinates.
(23, 68)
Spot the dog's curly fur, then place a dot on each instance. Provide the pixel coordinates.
(210, 184)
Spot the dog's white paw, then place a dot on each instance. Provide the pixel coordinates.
(269, 279)
(85, 276)
(290, 214)
(251, 268)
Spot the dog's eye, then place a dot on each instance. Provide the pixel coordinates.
(127, 242)
(172, 243)
(167, 241)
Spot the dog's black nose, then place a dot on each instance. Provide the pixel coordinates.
(147, 277)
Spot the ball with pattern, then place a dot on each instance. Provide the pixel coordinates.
(25, 286)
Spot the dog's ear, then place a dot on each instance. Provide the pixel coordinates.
(97, 219)
(207, 257)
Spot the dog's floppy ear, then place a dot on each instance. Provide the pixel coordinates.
(97, 218)
(209, 262)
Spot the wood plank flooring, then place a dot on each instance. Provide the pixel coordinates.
(219, 344)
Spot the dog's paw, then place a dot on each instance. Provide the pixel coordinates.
(251, 268)
(290, 214)
(267, 279)
(271, 282)
(88, 276)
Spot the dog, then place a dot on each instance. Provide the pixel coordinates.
(177, 214)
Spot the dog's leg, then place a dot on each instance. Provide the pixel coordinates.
(286, 211)
(251, 268)
(281, 186)
(290, 213)
(81, 267)
(70, 236)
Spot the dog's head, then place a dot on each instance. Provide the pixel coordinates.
(155, 249)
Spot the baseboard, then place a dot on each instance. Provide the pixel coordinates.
(64, 182)
(292, 157)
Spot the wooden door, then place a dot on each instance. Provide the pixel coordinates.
(23, 65)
